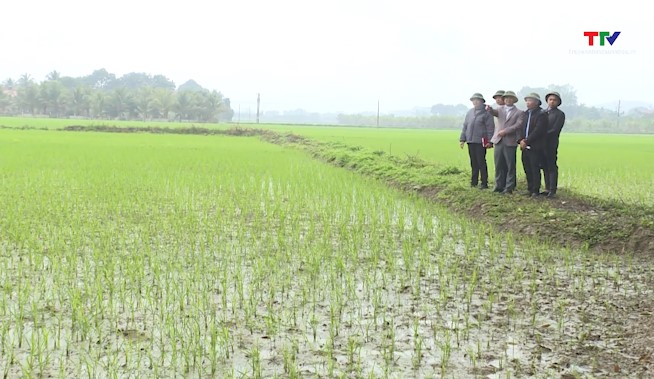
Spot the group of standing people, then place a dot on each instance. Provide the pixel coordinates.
(505, 128)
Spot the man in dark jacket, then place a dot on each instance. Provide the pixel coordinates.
(556, 119)
(532, 141)
(477, 131)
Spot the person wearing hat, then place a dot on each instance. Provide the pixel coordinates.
(532, 138)
(477, 129)
(499, 97)
(556, 119)
(505, 141)
(499, 100)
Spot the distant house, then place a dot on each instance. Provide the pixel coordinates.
(10, 92)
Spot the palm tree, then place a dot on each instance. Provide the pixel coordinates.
(28, 98)
(183, 105)
(53, 96)
(163, 101)
(208, 105)
(54, 76)
(25, 80)
(80, 101)
(144, 103)
(120, 103)
(98, 104)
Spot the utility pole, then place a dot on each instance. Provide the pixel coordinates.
(378, 113)
(258, 102)
(618, 115)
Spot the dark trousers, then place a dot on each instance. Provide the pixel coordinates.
(532, 161)
(551, 169)
(505, 173)
(477, 154)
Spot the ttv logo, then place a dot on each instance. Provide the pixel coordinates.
(602, 36)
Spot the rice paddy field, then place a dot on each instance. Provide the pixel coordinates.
(157, 255)
(606, 166)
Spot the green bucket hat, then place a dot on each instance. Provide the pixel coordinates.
(553, 93)
(533, 95)
(511, 94)
(498, 93)
(477, 95)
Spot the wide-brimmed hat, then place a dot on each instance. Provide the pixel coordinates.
(498, 93)
(553, 93)
(533, 95)
(477, 95)
(511, 94)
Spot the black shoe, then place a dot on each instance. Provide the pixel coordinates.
(507, 192)
(551, 195)
(544, 193)
(497, 190)
(534, 195)
(483, 186)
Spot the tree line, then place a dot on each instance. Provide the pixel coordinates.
(573, 109)
(102, 95)
(626, 125)
(579, 117)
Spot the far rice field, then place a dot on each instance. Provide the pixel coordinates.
(607, 166)
(158, 255)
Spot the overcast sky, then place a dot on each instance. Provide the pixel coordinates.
(339, 55)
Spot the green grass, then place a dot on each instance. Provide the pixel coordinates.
(606, 166)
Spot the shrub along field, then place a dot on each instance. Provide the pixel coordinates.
(130, 255)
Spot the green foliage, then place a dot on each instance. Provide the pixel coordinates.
(134, 96)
